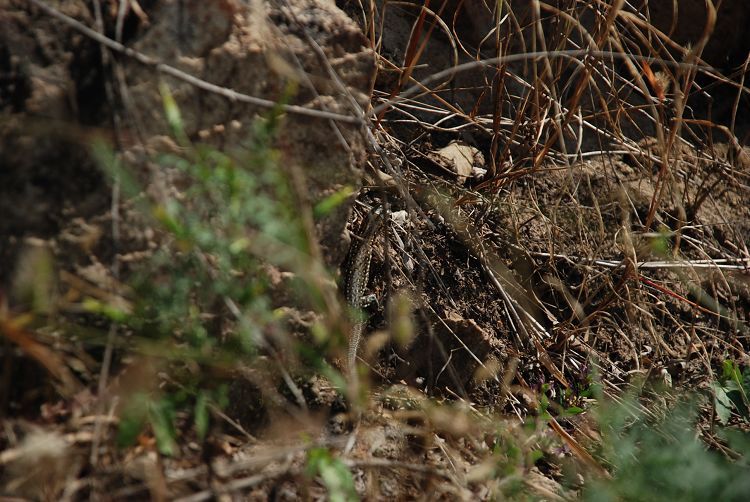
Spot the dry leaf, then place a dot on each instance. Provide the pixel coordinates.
(460, 159)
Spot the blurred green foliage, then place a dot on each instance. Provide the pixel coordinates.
(663, 458)
(202, 302)
(335, 475)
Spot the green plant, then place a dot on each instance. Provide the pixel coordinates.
(202, 302)
(731, 392)
(664, 459)
(334, 473)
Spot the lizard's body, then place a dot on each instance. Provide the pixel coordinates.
(357, 276)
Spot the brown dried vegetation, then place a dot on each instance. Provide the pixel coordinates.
(567, 193)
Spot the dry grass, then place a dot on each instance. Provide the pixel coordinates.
(593, 270)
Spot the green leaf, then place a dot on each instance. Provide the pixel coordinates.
(108, 310)
(201, 415)
(334, 473)
(132, 420)
(722, 403)
(574, 410)
(339, 482)
(534, 456)
(331, 202)
(162, 418)
(734, 380)
(172, 112)
(730, 371)
(543, 401)
(746, 380)
(129, 428)
(661, 245)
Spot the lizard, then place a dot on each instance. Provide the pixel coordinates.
(356, 278)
